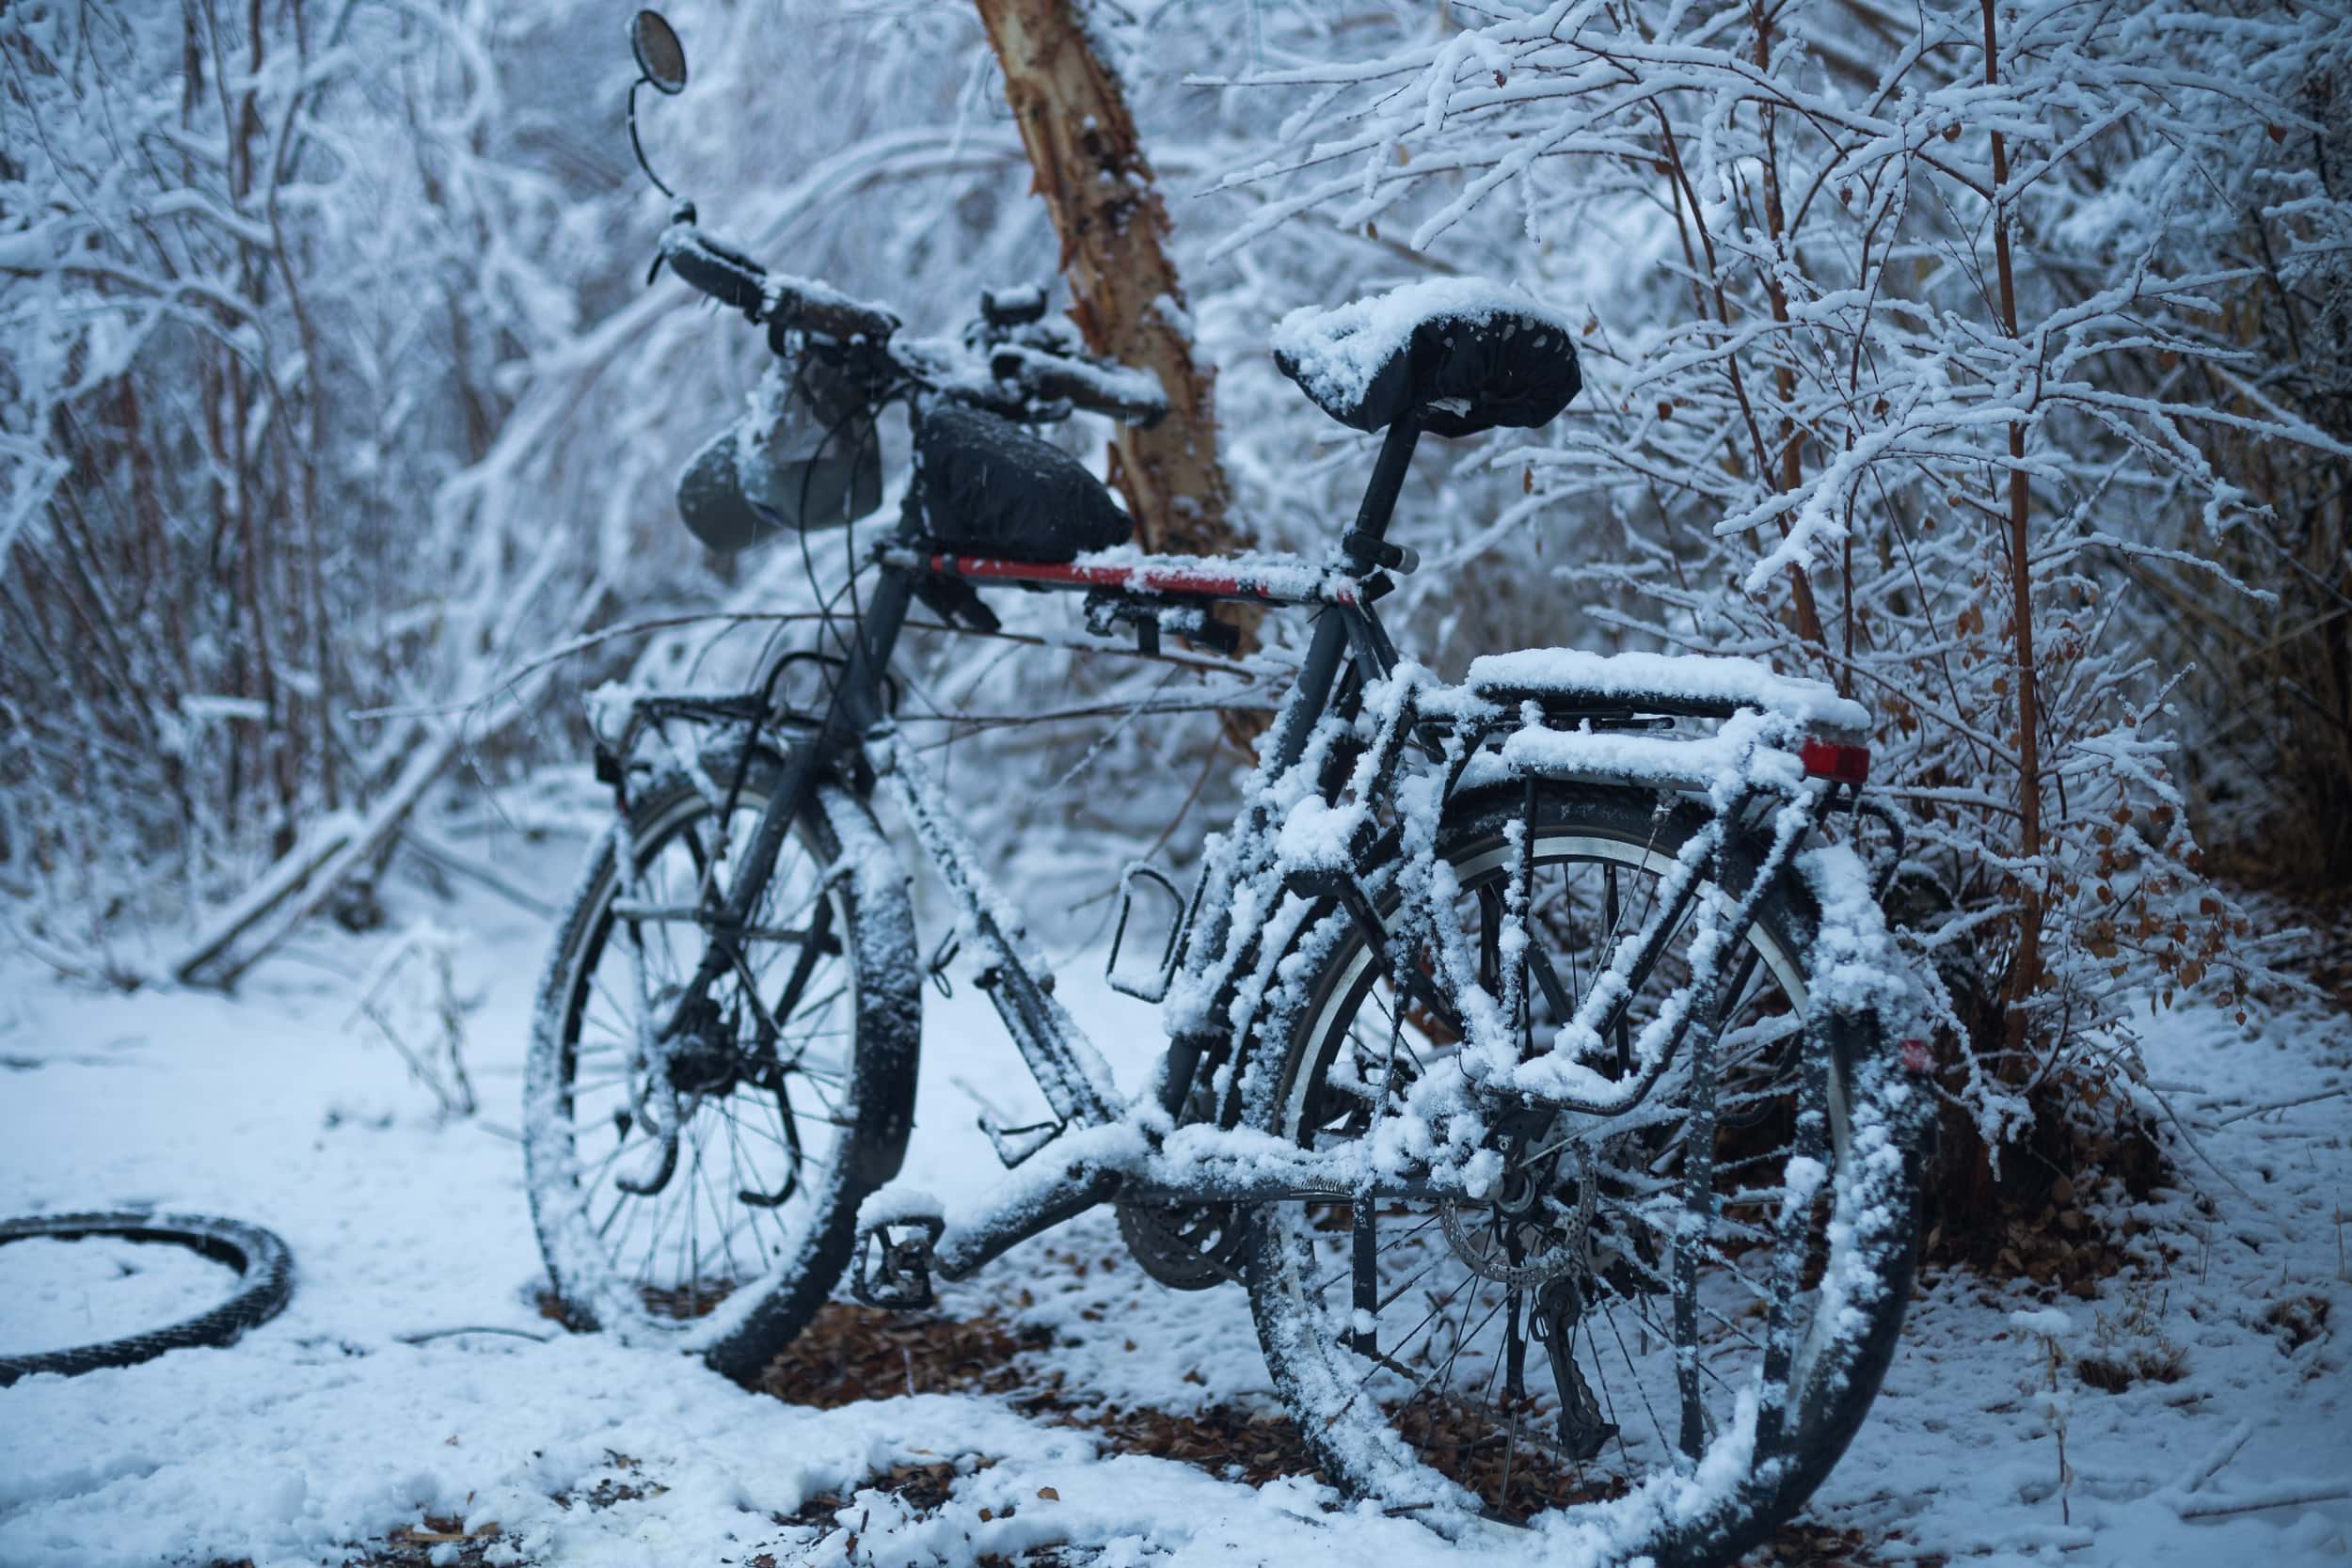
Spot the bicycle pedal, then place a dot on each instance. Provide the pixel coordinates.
(894, 1263)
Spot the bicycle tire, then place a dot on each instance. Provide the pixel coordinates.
(1369, 1453)
(263, 1265)
(736, 1337)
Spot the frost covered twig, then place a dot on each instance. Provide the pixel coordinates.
(413, 985)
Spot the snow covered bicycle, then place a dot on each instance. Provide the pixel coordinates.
(1535, 1047)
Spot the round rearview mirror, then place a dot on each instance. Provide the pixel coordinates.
(659, 55)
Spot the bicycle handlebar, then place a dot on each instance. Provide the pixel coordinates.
(1106, 388)
(734, 280)
(1023, 374)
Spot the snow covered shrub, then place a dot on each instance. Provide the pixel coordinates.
(411, 995)
(2049, 1330)
(1896, 327)
(2272, 690)
(409, 239)
(333, 397)
(337, 398)
(257, 278)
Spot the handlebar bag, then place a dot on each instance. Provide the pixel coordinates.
(990, 487)
(807, 456)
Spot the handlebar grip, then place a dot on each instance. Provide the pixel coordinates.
(723, 275)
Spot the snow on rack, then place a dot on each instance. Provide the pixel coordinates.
(1690, 676)
(1337, 351)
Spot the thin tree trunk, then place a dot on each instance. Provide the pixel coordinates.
(2026, 974)
(1125, 296)
(1783, 377)
(1125, 292)
(1786, 470)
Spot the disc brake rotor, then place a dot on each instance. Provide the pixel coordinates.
(1551, 1244)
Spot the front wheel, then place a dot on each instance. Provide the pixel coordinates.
(700, 1190)
(1662, 1328)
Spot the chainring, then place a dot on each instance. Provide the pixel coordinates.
(1185, 1246)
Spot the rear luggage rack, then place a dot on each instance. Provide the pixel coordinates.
(1612, 716)
(1570, 682)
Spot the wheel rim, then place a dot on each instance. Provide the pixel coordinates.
(1442, 1335)
(760, 1101)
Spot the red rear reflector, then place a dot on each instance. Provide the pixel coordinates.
(1919, 1056)
(1828, 759)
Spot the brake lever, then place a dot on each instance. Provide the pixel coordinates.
(1059, 380)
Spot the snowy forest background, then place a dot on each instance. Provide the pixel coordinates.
(1993, 361)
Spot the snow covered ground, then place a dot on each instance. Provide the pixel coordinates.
(356, 1415)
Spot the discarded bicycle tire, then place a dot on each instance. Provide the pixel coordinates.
(265, 1282)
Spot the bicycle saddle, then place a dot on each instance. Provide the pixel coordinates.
(988, 486)
(1469, 353)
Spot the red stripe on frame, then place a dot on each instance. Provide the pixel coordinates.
(1135, 579)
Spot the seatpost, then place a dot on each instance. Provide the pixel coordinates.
(1388, 481)
(1327, 648)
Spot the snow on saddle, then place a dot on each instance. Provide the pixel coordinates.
(1466, 353)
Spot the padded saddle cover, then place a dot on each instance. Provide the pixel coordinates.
(1469, 354)
(988, 486)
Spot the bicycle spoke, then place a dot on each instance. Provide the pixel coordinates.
(1548, 980)
(693, 1233)
(1622, 1035)
(1328, 1280)
(1462, 1335)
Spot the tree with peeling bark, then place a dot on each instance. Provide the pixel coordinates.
(1125, 296)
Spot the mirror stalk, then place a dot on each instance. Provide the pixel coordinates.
(639, 147)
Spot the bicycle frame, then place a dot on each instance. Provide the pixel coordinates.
(1104, 1148)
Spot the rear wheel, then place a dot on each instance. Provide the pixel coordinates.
(1588, 1349)
(701, 1192)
